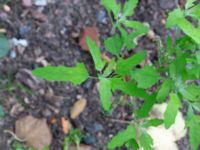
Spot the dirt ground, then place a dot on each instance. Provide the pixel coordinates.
(53, 33)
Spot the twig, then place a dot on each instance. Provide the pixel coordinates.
(122, 121)
(14, 135)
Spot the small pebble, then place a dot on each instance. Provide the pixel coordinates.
(27, 3)
(3, 16)
(101, 16)
(40, 2)
(6, 8)
(13, 54)
(24, 30)
(97, 127)
(21, 42)
(89, 139)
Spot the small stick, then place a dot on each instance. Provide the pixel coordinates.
(14, 135)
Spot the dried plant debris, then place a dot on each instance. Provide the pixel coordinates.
(34, 131)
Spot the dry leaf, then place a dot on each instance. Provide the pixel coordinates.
(92, 32)
(78, 108)
(35, 131)
(66, 125)
(165, 139)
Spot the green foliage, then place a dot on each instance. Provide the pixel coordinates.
(122, 137)
(152, 122)
(76, 75)
(172, 110)
(105, 93)
(146, 77)
(114, 44)
(145, 140)
(1, 112)
(174, 75)
(74, 136)
(124, 66)
(4, 46)
(96, 54)
(193, 123)
(164, 90)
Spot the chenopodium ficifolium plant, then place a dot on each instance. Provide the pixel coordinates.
(174, 76)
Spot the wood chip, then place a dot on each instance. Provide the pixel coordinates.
(82, 147)
(66, 125)
(78, 108)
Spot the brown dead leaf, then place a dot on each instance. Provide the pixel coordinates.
(82, 147)
(66, 125)
(78, 108)
(35, 131)
(92, 32)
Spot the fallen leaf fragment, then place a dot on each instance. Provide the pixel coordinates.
(66, 125)
(82, 147)
(92, 32)
(165, 139)
(34, 131)
(78, 108)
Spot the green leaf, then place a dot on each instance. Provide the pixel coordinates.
(169, 45)
(192, 123)
(164, 90)
(152, 122)
(146, 77)
(125, 66)
(105, 93)
(189, 3)
(66, 143)
(194, 12)
(132, 145)
(128, 40)
(96, 54)
(146, 141)
(191, 92)
(1, 112)
(4, 46)
(114, 44)
(196, 106)
(122, 137)
(76, 75)
(111, 5)
(144, 110)
(139, 28)
(129, 88)
(198, 57)
(129, 7)
(177, 18)
(172, 110)
(109, 68)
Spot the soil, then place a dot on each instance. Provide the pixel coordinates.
(52, 32)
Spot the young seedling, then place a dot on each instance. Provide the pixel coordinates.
(174, 76)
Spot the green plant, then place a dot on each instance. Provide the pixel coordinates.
(174, 76)
(4, 46)
(73, 137)
(1, 112)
